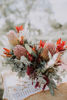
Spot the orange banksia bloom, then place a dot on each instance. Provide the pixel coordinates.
(44, 53)
(42, 43)
(12, 38)
(19, 28)
(60, 45)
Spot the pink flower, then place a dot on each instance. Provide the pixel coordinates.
(19, 51)
(51, 47)
(12, 37)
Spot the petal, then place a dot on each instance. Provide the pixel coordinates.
(63, 43)
(7, 50)
(58, 41)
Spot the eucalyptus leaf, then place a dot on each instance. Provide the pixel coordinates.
(21, 74)
(29, 49)
(51, 89)
(24, 60)
(42, 63)
(40, 50)
(53, 84)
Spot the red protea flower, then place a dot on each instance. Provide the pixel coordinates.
(19, 28)
(60, 45)
(7, 52)
(42, 43)
(51, 47)
(19, 51)
(30, 70)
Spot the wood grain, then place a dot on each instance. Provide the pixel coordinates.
(60, 94)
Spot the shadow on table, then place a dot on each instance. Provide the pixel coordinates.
(1, 94)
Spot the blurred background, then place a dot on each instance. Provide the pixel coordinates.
(44, 18)
(41, 19)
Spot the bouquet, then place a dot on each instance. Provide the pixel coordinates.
(39, 61)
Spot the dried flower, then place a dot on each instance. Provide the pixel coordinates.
(44, 54)
(7, 52)
(29, 70)
(12, 37)
(47, 82)
(19, 28)
(60, 45)
(37, 84)
(19, 51)
(42, 43)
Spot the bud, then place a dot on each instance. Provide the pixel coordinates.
(44, 53)
(12, 37)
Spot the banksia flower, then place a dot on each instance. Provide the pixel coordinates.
(12, 37)
(51, 47)
(44, 54)
(19, 51)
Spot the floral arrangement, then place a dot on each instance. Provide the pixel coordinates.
(40, 62)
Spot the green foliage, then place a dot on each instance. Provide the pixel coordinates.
(29, 49)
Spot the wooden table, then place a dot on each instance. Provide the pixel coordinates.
(19, 89)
